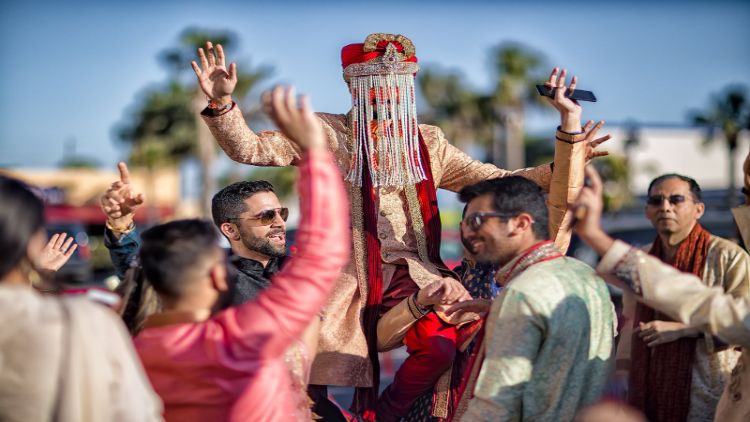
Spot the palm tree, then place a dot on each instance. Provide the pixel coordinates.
(493, 120)
(165, 126)
(453, 107)
(728, 115)
(517, 69)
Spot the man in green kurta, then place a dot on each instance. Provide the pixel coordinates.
(549, 335)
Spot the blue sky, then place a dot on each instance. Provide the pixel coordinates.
(71, 69)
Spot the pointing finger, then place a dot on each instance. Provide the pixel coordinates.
(124, 173)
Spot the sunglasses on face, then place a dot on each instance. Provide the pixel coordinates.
(267, 217)
(474, 221)
(656, 200)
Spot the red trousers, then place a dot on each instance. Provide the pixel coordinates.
(431, 345)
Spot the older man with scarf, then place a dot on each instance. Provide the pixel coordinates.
(677, 373)
(392, 167)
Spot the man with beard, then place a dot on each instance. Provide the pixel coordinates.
(247, 213)
(392, 166)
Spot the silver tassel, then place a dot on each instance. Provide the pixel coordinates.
(398, 160)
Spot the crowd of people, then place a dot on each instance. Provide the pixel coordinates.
(518, 331)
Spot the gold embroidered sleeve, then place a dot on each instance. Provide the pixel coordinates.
(270, 148)
(567, 181)
(680, 295)
(459, 170)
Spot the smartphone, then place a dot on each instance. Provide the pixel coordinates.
(578, 94)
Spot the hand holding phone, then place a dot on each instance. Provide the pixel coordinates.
(577, 94)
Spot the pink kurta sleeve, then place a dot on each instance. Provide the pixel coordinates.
(267, 326)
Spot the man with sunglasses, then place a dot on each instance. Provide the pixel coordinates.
(549, 334)
(672, 370)
(247, 213)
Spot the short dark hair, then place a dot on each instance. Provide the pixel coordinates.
(229, 202)
(695, 189)
(171, 252)
(21, 216)
(513, 195)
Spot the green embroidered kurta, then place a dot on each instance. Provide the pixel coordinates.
(548, 346)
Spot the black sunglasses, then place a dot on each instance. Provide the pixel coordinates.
(267, 217)
(659, 199)
(475, 221)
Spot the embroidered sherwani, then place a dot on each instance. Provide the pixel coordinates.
(342, 350)
(548, 345)
(686, 298)
(728, 267)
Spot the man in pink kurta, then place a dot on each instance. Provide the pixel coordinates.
(230, 366)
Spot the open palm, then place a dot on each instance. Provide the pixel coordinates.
(216, 81)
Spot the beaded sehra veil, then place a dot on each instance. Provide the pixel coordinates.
(384, 116)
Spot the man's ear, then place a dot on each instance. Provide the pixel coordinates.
(230, 231)
(218, 274)
(700, 208)
(521, 223)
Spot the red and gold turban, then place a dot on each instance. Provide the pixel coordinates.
(381, 54)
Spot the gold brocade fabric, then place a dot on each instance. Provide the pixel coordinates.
(342, 351)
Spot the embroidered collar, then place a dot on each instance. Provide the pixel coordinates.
(542, 251)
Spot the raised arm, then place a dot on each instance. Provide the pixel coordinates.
(226, 122)
(574, 147)
(119, 204)
(268, 325)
